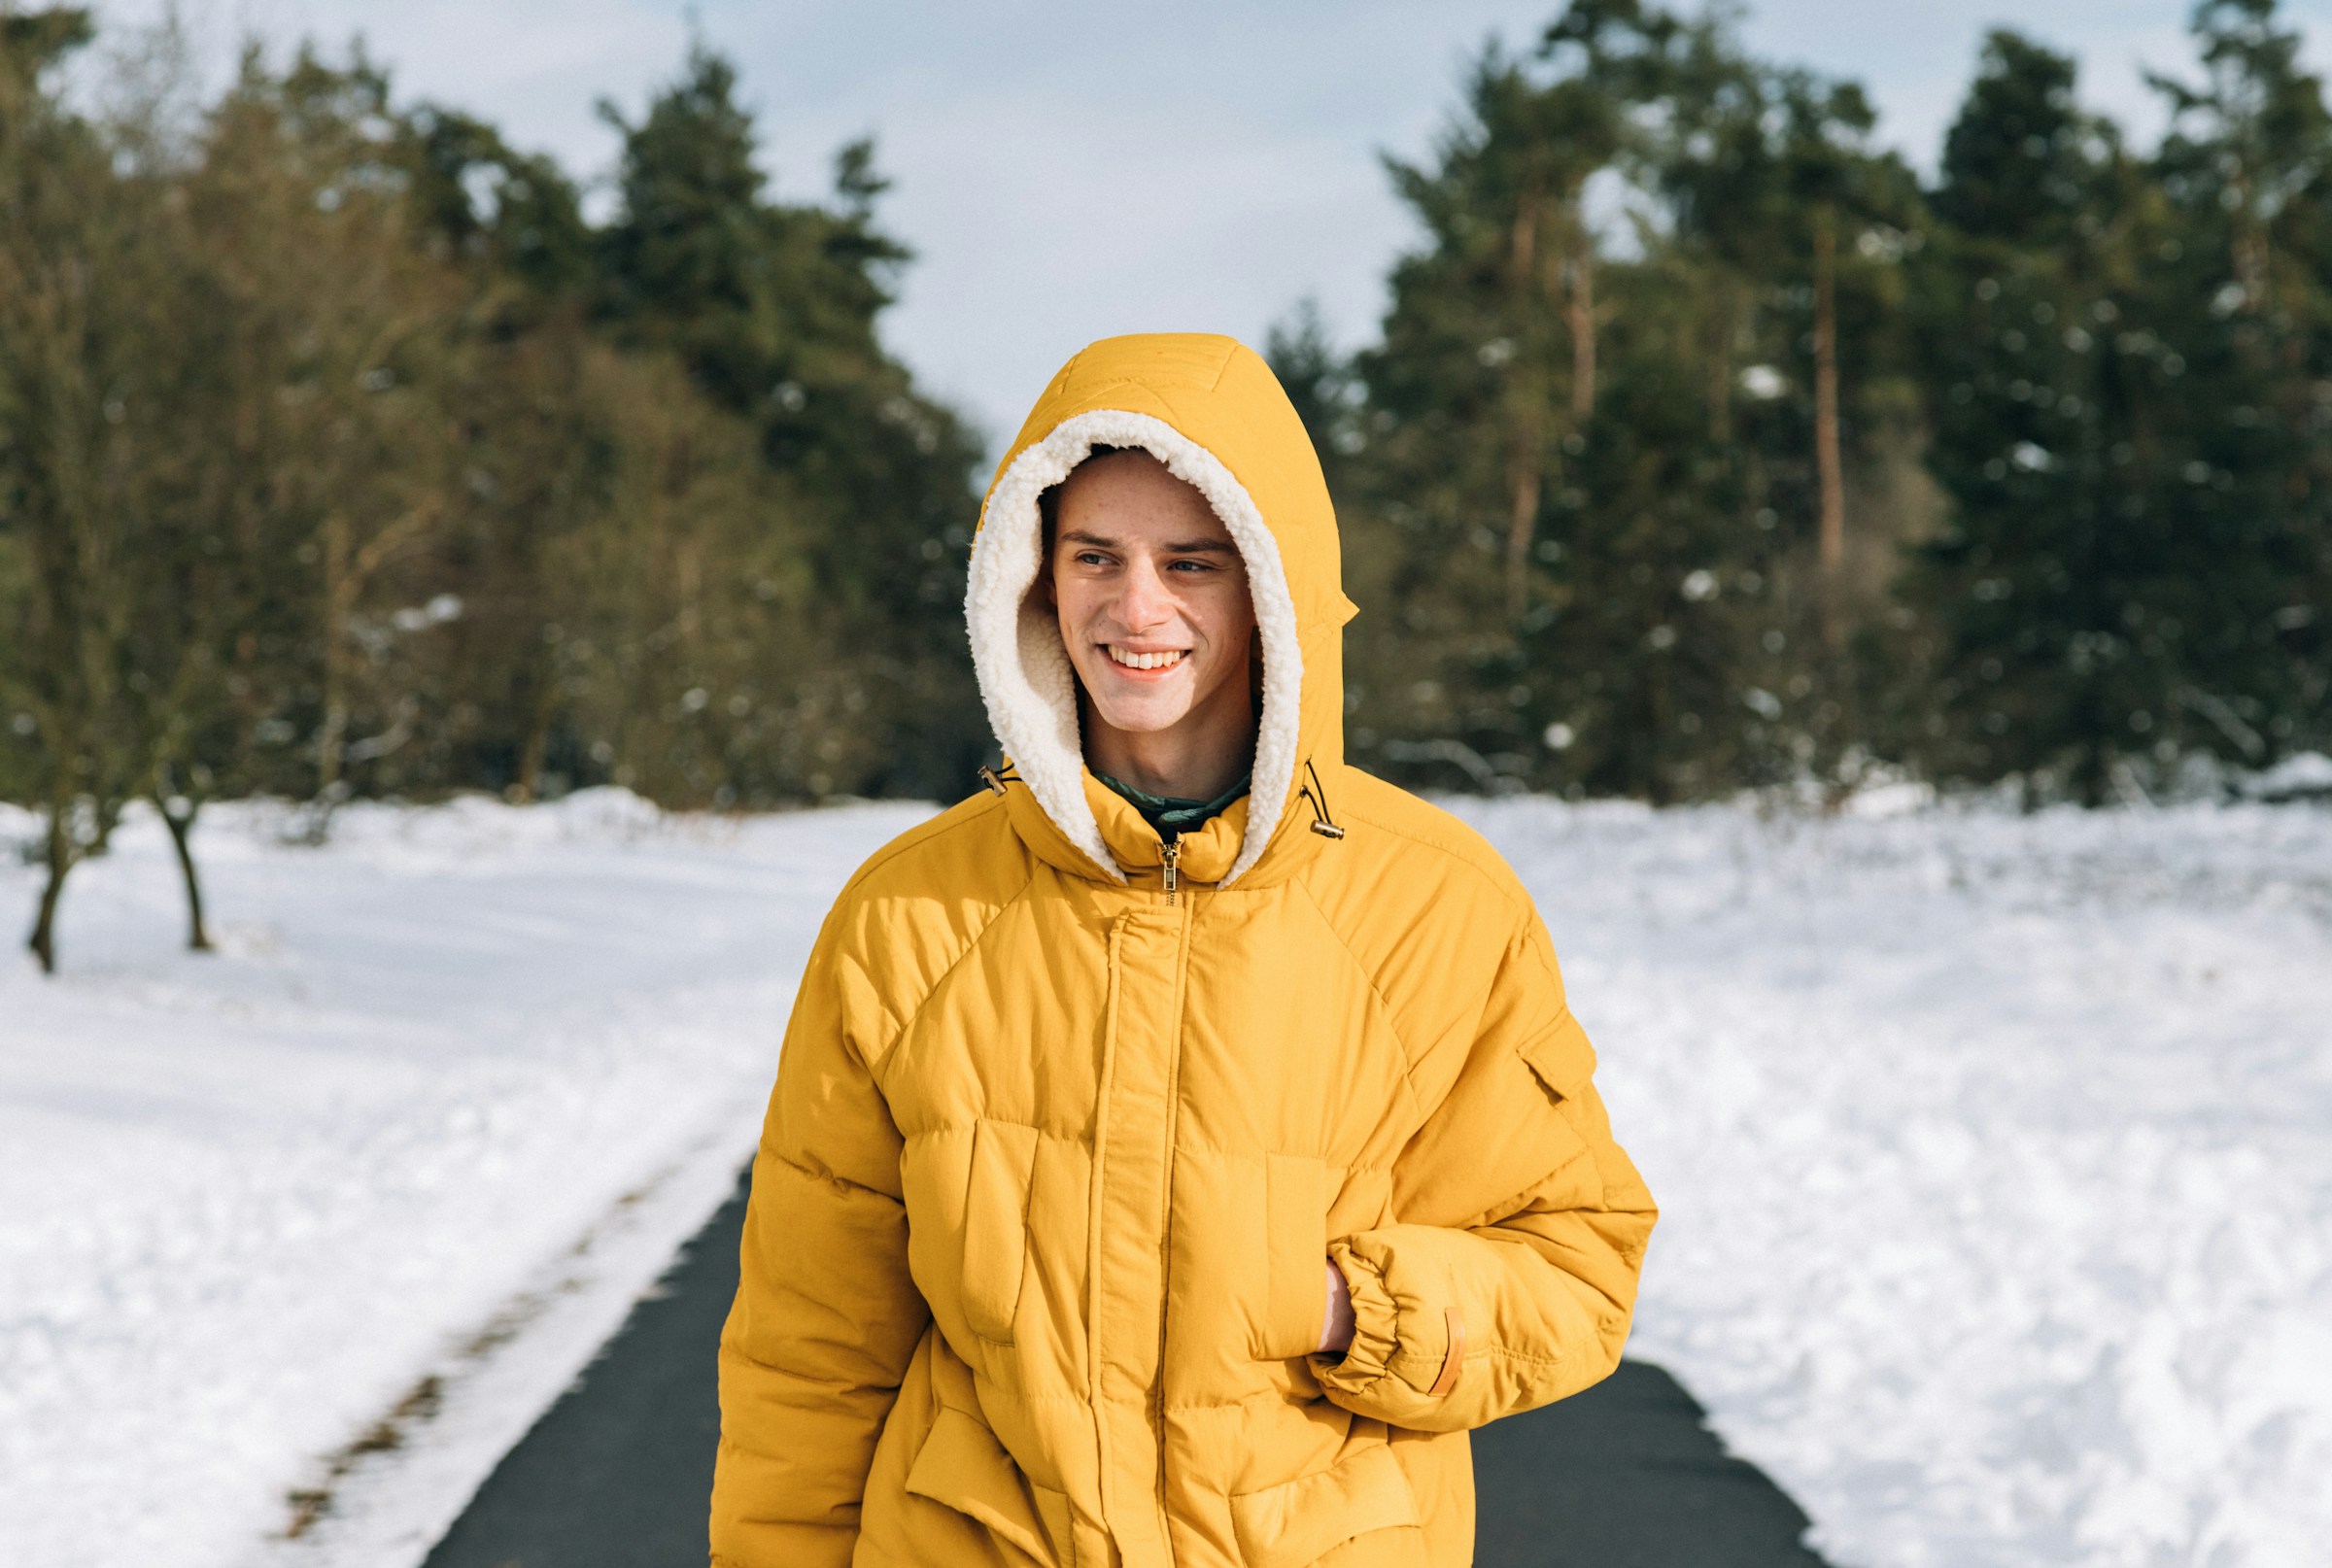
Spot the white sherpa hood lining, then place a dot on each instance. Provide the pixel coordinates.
(1025, 677)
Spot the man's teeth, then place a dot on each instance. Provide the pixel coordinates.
(1147, 661)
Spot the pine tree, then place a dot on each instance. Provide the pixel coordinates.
(2033, 407)
(2123, 414)
(1612, 523)
(2244, 498)
(772, 307)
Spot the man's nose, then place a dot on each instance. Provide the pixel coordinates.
(1145, 602)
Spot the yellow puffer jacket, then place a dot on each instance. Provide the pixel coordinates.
(1032, 1263)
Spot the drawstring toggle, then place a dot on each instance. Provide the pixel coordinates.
(1315, 793)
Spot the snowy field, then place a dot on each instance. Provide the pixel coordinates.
(1995, 1154)
(338, 1212)
(1995, 1162)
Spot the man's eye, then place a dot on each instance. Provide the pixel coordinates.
(1193, 566)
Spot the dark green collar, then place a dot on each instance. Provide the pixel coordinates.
(1170, 817)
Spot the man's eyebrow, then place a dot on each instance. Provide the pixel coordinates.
(1180, 547)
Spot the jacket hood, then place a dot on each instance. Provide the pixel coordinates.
(1210, 409)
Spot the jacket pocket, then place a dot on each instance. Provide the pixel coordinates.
(1561, 1057)
(1295, 1232)
(995, 1255)
(963, 1467)
(1295, 1525)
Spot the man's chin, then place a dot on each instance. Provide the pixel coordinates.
(1142, 718)
(1139, 707)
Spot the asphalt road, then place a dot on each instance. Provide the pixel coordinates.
(615, 1474)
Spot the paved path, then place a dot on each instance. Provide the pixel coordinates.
(614, 1475)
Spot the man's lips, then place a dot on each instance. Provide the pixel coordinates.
(1152, 663)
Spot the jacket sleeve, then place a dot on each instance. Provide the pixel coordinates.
(1510, 1281)
(826, 1315)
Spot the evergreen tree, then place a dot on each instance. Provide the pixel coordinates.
(772, 307)
(2025, 300)
(1318, 382)
(2118, 353)
(2020, 163)
(2244, 291)
(1659, 462)
(483, 200)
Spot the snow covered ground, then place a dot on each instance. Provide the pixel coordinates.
(1996, 1158)
(1995, 1155)
(375, 1182)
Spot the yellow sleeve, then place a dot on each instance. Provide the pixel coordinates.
(1511, 1279)
(825, 1316)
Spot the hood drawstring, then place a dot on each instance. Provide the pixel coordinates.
(1315, 792)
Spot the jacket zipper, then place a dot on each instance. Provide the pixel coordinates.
(1171, 855)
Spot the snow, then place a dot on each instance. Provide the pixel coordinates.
(1995, 1155)
(2298, 776)
(444, 1105)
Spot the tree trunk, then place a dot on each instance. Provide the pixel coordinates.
(1827, 461)
(1522, 241)
(526, 788)
(1720, 360)
(339, 598)
(1525, 450)
(60, 856)
(346, 569)
(182, 835)
(1661, 676)
(1525, 480)
(1579, 312)
(2247, 248)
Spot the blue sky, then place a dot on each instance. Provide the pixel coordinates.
(1065, 172)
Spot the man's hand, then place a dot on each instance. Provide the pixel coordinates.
(1336, 1323)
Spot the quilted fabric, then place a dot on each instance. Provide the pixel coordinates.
(1032, 1272)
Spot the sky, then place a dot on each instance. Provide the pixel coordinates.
(1065, 172)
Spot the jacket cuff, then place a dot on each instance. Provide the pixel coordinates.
(1401, 1346)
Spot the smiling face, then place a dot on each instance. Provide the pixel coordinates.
(1154, 606)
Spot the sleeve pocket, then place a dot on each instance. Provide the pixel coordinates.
(1559, 1057)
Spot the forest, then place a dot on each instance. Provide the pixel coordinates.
(1706, 444)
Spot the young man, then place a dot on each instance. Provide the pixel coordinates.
(1181, 1145)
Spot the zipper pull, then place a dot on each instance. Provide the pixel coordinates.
(1172, 852)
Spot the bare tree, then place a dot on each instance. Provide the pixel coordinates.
(72, 399)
